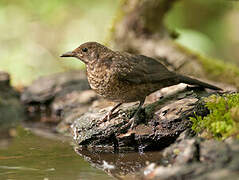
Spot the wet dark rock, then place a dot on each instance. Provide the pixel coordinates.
(183, 151)
(162, 122)
(11, 110)
(195, 158)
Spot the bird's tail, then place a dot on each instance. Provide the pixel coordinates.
(191, 81)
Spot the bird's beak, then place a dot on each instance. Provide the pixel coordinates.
(68, 54)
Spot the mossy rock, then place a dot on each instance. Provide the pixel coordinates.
(223, 118)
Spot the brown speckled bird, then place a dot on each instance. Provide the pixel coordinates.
(123, 77)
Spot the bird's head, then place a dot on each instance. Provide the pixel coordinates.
(87, 52)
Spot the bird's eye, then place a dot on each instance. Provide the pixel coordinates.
(84, 49)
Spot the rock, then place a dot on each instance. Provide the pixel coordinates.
(71, 106)
(45, 89)
(195, 158)
(183, 151)
(4, 79)
(162, 123)
(46, 98)
(11, 110)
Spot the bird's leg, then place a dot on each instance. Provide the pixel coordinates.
(134, 120)
(110, 113)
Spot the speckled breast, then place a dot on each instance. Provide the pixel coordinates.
(107, 84)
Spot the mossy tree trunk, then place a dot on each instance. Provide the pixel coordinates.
(139, 28)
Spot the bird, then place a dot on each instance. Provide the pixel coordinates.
(123, 77)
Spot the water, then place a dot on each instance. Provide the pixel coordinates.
(27, 156)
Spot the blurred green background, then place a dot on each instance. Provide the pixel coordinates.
(34, 33)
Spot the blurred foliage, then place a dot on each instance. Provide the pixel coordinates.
(223, 119)
(220, 71)
(210, 27)
(34, 33)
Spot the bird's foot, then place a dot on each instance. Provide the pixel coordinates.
(133, 122)
(108, 116)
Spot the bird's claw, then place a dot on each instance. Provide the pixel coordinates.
(132, 124)
(108, 116)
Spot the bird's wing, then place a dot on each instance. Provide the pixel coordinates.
(141, 69)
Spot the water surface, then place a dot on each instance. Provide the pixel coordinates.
(28, 157)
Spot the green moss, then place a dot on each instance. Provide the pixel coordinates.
(223, 119)
(221, 71)
(215, 69)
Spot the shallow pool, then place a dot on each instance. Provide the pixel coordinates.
(26, 156)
